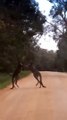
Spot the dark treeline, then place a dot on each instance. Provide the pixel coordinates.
(20, 20)
(49, 60)
(59, 14)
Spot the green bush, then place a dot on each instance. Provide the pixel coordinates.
(5, 79)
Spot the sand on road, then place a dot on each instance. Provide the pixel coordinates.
(33, 103)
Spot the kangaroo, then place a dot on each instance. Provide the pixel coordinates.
(37, 75)
(15, 75)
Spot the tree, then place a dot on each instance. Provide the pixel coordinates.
(44, 60)
(59, 14)
(20, 20)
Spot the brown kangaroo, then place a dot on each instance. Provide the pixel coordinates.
(37, 75)
(15, 75)
(32, 68)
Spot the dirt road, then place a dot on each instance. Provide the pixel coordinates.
(32, 103)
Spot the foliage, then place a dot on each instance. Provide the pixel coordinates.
(45, 60)
(5, 79)
(59, 14)
(19, 22)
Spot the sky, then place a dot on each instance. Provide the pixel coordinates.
(45, 41)
(48, 43)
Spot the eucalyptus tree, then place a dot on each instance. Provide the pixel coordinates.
(20, 20)
(59, 15)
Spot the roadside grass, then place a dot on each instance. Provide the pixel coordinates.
(5, 79)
